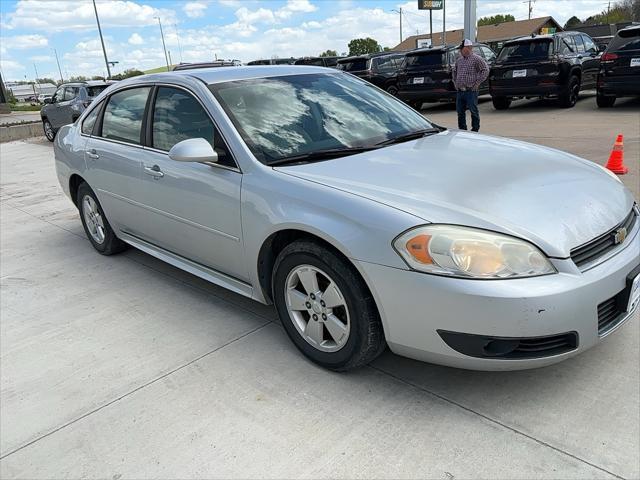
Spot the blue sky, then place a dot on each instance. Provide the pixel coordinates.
(198, 30)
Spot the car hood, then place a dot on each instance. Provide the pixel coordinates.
(554, 199)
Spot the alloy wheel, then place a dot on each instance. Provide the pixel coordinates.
(317, 308)
(93, 219)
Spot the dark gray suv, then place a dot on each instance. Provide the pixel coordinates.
(67, 104)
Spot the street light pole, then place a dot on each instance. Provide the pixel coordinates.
(104, 51)
(444, 28)
(400, 12)
(163, 45)
(58, 62)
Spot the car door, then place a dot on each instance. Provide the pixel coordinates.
(194, 207)
(68, 110)
(113, 156)
(53, 109)
(590, 62)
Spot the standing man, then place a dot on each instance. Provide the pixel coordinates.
(469, 71)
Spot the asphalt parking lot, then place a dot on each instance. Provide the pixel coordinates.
(125, 367)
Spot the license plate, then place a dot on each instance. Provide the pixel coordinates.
(635, 62)
(634, 295)
(418, 80)
(519, 73)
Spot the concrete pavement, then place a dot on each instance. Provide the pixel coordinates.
(127, 367)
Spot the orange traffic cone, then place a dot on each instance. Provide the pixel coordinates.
(616, 159)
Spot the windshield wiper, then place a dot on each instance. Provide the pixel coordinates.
(318, 155)
(405, 137)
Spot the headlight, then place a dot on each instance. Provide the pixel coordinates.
(469, 252)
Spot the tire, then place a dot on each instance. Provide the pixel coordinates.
(359, 338)
(393, 90)
(570, 96)
(604, 101)
(501, 103)
(49, 132)
(95, 223)
(417, 104)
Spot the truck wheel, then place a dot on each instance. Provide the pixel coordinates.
(570, 96)
(501, 103)
(605, 101)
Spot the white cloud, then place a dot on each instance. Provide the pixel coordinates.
(20, 42)
(230, 3)
(194, 9)
(135, 39)
(64, 15)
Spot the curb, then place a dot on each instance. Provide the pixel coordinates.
(19, 132)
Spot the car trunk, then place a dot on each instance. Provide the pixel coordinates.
(525, 64)
(427, 70)
(623, 55)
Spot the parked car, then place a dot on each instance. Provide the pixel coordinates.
(67, 104)
(273, 61)
(331, 62)
(42, 97)
(365, 223)
(544, 66)
(214, 64)
(619, 74)
(381, 69)
(426, 74)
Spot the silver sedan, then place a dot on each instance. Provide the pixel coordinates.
(364, 223)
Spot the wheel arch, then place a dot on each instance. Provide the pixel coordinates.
(74, 183)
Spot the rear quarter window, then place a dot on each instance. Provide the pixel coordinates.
(424, 60)
(353, 65)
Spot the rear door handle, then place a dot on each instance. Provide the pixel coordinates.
(92, 154)
(154, 171)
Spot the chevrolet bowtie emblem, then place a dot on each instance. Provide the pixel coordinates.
(620, 235)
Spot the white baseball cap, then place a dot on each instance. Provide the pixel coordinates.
(467, 43)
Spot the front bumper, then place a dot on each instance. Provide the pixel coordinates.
(414, 306)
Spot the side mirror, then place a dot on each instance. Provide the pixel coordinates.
(193, 150)
(602, 47)
(48, 100)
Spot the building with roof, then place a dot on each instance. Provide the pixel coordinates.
(493, 35)
(23, 91)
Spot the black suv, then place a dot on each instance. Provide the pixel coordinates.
(544, 66)
(318, 61)
(619, 74)
(426, 74)
(381, 69)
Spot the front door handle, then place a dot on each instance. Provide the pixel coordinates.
(154, 171)
(92, 154)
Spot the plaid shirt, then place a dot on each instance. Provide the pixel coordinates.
(469, 72)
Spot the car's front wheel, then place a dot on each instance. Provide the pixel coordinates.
(49, 132)
(570, 96)
(325, 307)
(95, 223)
(393, 90)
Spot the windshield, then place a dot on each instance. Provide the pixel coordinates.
(95, 90)
(288, 116)
(533, 50)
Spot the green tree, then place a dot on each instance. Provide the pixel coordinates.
(329, 53)
(98, 77)
(622, 11)
(362, 46)
(572, 22)
(46, 80)
(494, 19)
(130, 72)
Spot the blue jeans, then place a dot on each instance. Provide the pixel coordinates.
(468, 100)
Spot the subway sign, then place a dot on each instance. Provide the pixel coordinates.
(430, 4)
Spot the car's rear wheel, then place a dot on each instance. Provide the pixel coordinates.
(95, 223)
(501, 103)
(49, 132)
(325, 307)
(393, 90)
(570, 96)
(605, 101)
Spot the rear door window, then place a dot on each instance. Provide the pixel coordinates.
(123, 115)
(566, 46)
(579, 43)
(95, 90)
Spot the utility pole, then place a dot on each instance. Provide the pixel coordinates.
(431, 28)
(58, 62)
(175, 26)
(470, 24)
(166, 58)
(36, 70)
(400, 12)
(170, 61)
(104, 50)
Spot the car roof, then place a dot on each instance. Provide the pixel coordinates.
(528, 38)
(88, 83)
(439, 48)
(219, 75)
(630, 27)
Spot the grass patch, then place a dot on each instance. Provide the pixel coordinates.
(24, 108)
